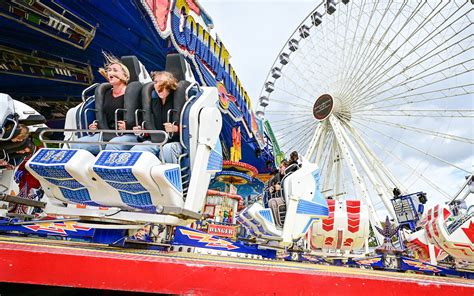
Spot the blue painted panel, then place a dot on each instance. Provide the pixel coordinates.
(130, 187)
(51, 171)
(267, 215)
(234, 110)
(53, 156)
(78, 196)
(69, 183)
(311, 208)
(191, 237)
(208, 78)
(117, 175)
(215, 158)
(117, 159)
(140, 201)
(174, 177)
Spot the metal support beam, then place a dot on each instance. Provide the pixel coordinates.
(359, 182)
(314, 140)
(380, 168)
(378, 188)
(324, 136)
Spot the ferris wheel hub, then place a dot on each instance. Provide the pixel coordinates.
(324, 106)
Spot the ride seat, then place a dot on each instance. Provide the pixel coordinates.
(278, 207)
(138, 180)
(132, 95)
(131, 103)
(63, 174)
(179, 99)
(176, 65)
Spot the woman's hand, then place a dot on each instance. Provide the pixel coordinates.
(121, 125)
(93, 126)
(170, 128)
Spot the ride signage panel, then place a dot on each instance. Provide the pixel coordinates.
(323, 107)
(222, 230)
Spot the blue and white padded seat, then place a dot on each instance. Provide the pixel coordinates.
(138, 180)
(259, 221)
(63, 174)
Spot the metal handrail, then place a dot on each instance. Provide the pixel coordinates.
(15, 125)
(168, 118)
(47, 141)
(118, 133)
(87, 110)
(100, 143)
(83, 95)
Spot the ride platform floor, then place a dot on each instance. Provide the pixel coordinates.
(37, 261)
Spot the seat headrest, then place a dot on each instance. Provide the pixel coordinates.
(176, 65)
(133, 65)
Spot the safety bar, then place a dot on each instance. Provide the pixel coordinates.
(137, 121)
(85, 112)
(188, 99)
(116, 120)
(168, 119)
(100, 143)
(136, 116)
(47, 141)
(15, 125)
(5, 155)
(188, 89)
(83, 95)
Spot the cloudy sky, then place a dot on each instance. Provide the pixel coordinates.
(254, 33)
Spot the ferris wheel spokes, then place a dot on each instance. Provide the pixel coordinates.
(397, 76)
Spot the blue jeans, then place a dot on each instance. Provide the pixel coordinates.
(95, 149)
(125, 138)
(92, 148)
(171, 151)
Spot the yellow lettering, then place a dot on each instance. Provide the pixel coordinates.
(224, 57)
(207, 38)
(200, 32)
(216, 48)
(191, 24)
(247, 99)
(182, 3)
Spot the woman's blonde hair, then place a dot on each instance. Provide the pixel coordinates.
(169, 81)
(110, 60)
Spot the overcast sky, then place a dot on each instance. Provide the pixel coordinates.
(254, 33)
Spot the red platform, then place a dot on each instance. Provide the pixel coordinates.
(57, 263)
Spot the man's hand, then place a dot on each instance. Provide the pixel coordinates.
(93, 126)
(4, 163)
(170, 128)
(137, 130)
(121, 125)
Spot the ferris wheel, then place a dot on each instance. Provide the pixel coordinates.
(380, 95)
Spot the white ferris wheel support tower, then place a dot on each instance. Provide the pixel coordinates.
(325, 110)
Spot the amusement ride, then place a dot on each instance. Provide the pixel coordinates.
(373, 99)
